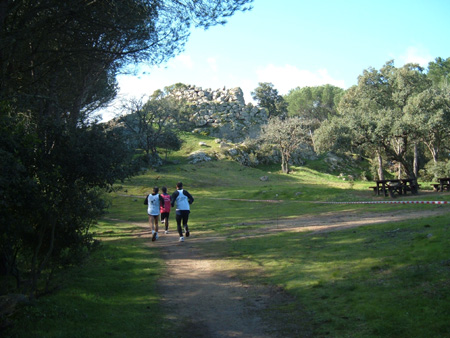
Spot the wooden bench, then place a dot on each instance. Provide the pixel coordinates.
(444, 184)
(396, 188)
(375, 189)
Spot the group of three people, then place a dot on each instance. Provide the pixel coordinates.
(159, 204)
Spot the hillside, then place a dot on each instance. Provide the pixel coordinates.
(261, 255)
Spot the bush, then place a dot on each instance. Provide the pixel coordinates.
(438, 169)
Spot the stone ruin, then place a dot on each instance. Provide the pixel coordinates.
(222, 113)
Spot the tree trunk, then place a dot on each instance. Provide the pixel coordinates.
(380, 166)
(399, 156)
(312, 139)
(34, 268)
(434, 151)
(416, 160)
(285, 166)
(284, 163)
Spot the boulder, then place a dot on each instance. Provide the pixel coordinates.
(198, 156)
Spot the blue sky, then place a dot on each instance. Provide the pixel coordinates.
(297, 43)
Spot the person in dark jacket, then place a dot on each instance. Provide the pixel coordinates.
(183, 200)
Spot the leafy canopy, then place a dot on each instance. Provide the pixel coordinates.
(314, 102)
(287, 135)
(267, 97)
(58, 65)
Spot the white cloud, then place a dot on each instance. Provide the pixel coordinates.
(289, 77)
(415, 55)
(133, 86)
(136, 87)
(183, 69)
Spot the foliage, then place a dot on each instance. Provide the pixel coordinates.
(58, 64)
(267, 97)
(52, 197)
(429, 113)
(287, 135)
(150, 125)
(439, 72)
(438, 169)
(314, 102)
(374, 117)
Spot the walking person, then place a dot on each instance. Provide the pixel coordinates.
(183, 199)
(154, 200)
(165, 209)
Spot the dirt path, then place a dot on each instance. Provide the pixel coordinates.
(205, 300)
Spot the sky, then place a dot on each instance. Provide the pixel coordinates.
(298, 43)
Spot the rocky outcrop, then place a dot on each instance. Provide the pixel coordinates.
(222, 113)
(199, 156)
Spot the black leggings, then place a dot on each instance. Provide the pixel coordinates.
(182, 215)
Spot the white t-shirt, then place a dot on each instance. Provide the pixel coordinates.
(182, 201)
(153, 205)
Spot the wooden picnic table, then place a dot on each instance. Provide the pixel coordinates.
(396, 186)
(444, 183)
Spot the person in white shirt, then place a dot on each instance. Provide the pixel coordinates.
(183, 199)
(154, 201)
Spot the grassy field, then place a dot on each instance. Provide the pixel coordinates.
(111, 295)
(389, 280)
(384, 281)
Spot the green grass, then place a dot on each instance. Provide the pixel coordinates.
(368, 282)
(112, 295)
(388, 280)
(383, 281)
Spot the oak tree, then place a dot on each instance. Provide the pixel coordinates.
(314, 102)
(286, 135)
(267, 97)
(373, 115)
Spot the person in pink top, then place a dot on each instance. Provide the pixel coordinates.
(165, 208)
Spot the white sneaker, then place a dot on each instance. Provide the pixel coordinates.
(166, 232)
(181, 239)
(156, 237)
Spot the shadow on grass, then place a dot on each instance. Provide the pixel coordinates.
(388, 280)
(112, 294)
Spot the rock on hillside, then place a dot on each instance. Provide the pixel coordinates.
(222, 112)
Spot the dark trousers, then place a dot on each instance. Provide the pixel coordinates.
(182, 216)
